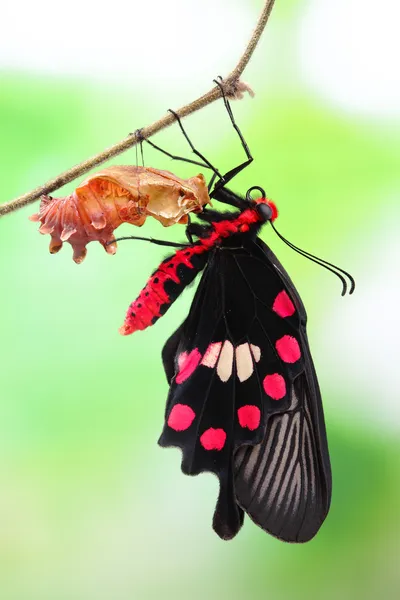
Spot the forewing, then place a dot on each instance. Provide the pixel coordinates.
(194, 422)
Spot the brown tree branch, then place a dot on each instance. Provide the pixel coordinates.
(231, 87)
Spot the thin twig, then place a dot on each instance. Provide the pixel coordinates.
(230, 85)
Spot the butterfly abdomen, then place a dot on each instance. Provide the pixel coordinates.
(163, 287)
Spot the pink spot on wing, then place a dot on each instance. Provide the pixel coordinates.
(283, 306)
(211, 355)
(275, 386)
(181, 359)
(213, 439)
(288, 349)
(181, 417)
(249, 416)
(188, 365)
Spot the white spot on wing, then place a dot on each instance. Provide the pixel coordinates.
(211, 356)
(256, 352)
(244, 362)
(225, 362)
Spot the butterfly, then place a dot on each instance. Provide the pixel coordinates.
(244, 401)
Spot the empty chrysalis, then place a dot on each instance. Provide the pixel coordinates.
(115, 195)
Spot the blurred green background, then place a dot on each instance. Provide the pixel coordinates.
(90, 507)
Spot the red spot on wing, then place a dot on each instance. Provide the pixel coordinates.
(188, 365)
(283, 306)
(275, 386)
(288, 349)
(181, 417)
(213, 439)
(249, 416)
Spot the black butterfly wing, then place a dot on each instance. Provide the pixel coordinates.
(190, 424)
(285, 483)
(234, 366)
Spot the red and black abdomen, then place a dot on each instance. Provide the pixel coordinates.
(164, 286)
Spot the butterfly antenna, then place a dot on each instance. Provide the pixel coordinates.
(323, 263)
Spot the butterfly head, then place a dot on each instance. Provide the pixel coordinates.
(265, 208)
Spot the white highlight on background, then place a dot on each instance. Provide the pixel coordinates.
(360, 341)
(124, 39)
(348, 52)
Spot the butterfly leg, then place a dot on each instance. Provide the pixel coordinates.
(233, 172)
(188, 231)
(194, 150)
(139, 136)
(151, 240)
(175, 157)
